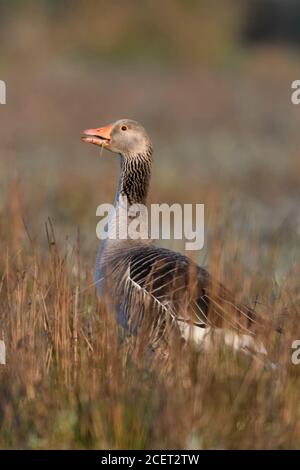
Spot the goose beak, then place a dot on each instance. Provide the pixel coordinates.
(100, 136)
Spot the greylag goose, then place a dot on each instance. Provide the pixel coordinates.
(155, 286)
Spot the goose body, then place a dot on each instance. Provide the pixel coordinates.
(145, 284)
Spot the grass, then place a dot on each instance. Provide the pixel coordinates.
(70, 382)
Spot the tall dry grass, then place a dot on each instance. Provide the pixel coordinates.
(71, 382)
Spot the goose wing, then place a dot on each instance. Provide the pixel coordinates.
(177, 291)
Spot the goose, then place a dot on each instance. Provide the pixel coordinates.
(153, 286)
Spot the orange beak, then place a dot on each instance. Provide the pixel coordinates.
(100, 136)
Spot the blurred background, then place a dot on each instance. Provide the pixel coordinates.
(210, 81)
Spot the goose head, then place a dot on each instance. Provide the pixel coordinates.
(125, 137)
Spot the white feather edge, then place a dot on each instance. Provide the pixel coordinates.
(208, 336)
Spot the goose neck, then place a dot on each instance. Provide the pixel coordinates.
(134, 178)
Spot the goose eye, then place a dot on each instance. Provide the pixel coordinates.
(124, 128)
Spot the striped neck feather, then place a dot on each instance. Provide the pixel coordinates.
(135, 177)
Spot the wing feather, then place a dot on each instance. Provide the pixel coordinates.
(177, 292)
